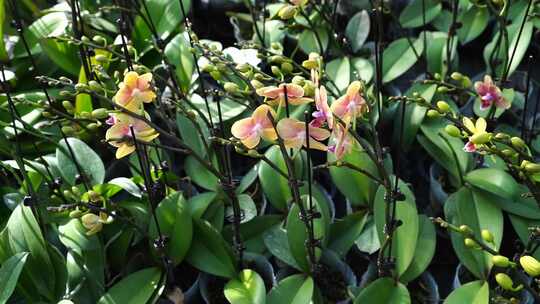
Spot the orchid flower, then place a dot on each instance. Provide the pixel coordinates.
(119, 134)
(293, 133)
(479, 135)
(250, 130)
(94, 223)
(351, 105)
(323, 113)
(343, 142)
(134, 90)
(276, 95)
(490, 94)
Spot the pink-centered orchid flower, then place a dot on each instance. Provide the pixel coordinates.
(323, 113)
(490, 94)
(478, 136)
(275, 96)
(119, 134)
(250, 130)
(343, 142)
(293, 133)
(134, 91)
(351, 105)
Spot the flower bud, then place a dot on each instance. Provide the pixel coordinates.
(68, 130)
(81, 87)
(277, 59)
(480, 138)
(487, 235)
(517, 142)
(299, 80)
(433, 113)
(286, 68)
(466, 82)
(256, 84)
(470, 243)
(276, 46)
(530, 265)
(309, 89)
(67, 105)
(85, 115)
(92, 126)
(207, 68)
(500, 261)
(85, 39)
(75, 190)
(64, 93)
(508, 153)
(94, 85)
(465, 230)
(442, 90)
(100, 113)
(532, 167)
(276, 71)
(456, 76)
(501, 135)
(506, 282)
(99, 40)
(310, 64)
(75, 213)
(216, 75)
(244, 67)
(443, 106)
(231, 87)
(452, 131)
(287, 12)
(437, 76)
(101, 58)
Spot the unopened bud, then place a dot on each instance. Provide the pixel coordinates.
(517, 143)
(299, 80)
(310, 64)
(442, 90)
(75, 213)
(506, 282)
(68, 130)
(216, 75)
(287, 12)
(100, 113)
(487, 235)
(452, 131)
(500, 261)
(256, 84)
(276, 59)
(231, 87)
(67, 105)
(81, 87)
(456, 76)
(433, 113)
(443, 106)
(465, 230)
(532, 167)
(480, 138)
(276, 71)
(470, 243)
(530, 265)
(286, 68)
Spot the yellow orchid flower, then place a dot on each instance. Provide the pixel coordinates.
(134, 91)
(479, 135)
(275, 96)
(119, 134)
(250, 130)
(293, 133)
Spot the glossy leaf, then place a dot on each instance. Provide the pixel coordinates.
(419, 13)
(399, 57)
(277, 243)
(425, 250)
(308, 40)
(137, 287)
(9, 275)
(495, 181)
(247, 289)
(405, 236)
(178, 52)
(89, 161)
(357, 30)
(295, 289)
(344, 232)
(474, 21)
(384, 290)
(476, 292)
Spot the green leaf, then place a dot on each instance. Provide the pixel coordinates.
(308, 40)
(405, 236)
(191, 137)
(174, 218)
(138, 287)
(229, 108)
(465, 208)
(253, 232)
(362, 69)
(399, 57)
(247, 289)
(247, 206)
(277, 243)
(414, 115)
(339, 70)
(521, 205)
(276, 187)
(199, 174)
(165, 15)
(91, 165)
(425, 249)
(436, 52)
(357, 187)
(295, 289)
(3, 52)
(368, 241)
(418, 12)
(476, 292)
(382, 291)
(357, 30)
(24, 235)
(209, 252)
(9, 275)
(297, 233)
(495, 181)
(474, 22)
(344, 232)
(178, 52)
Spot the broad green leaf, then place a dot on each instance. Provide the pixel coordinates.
(295, 289)
(229, 108)
(425, 249)
(357, 187)
(190, 135)
(368, 241)
(277, 243)
(91, 165)
(252, 232)
(9, 275)
(339, 70)
(165, 16)
(200, 202)
(128, 185)
(414, 115)
(521, 205)
(138, 287)
(495, 181)
(361, 69)
(420, 12)
(199, 174)
(209, 252)
(178, 52)
(476, 292)
(247, 289)
(174, 218)
(357, 30)
(297, 233)
(308, 40)
(436, 52)
(474, 21)
(247, 207)
(405, 236)
(384, 291)
(276, 187)
(344, 232)
(399, 57)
